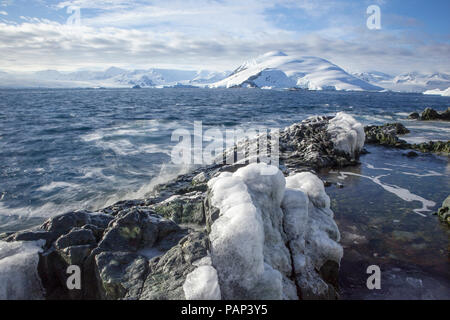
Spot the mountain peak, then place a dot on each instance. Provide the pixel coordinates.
(275, 69)
(274, 54)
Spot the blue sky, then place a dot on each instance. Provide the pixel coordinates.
(220, 34)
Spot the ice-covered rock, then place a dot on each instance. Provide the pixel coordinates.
(271, 235)
(321, 141)
(202, 283)
(346, 133)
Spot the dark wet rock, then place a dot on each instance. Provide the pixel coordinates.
(414, 116)
(75, 237)
(430, 114)
(62, 224)
(31, 235)
(432, 147)
(445, 115)
(96, 231)
(444, 212)
(386, 135)
(330, 274)
(168, 272)
(411, 154)
(121, 275)
(5, 235)
(131, 231)
(183, 209)
(308, 144)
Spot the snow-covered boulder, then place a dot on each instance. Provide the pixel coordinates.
(347, 134)
(270, 235)
(321, 141)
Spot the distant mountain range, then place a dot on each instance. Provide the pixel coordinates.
(273, 70)
(408, 82)
(112, 77)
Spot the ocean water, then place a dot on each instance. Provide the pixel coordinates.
(62, 150)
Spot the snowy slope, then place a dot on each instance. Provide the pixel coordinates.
(112, 78)
(407, 82)
(278, 70)
(445, 93)
(205, 77)
(373, 77)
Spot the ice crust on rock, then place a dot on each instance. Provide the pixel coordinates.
(202, 283)
(268, 229)
(312, 186)
(347, 134)
(19, 279)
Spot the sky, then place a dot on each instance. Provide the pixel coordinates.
(221, 34)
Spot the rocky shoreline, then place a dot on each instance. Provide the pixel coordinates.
(222, 231)
(388, 135)
(430, 114)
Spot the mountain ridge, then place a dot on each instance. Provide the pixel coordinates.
(271, 70)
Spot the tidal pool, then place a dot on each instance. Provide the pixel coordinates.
(385, 214)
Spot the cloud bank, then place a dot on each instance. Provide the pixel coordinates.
(215, 35)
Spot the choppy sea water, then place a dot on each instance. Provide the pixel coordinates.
(85, 149)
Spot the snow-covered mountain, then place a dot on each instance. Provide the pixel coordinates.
(373, 76)
(444, 93)
(407, 82)
(205, 77)
(112, 78)
(271, 70)
(278, 70)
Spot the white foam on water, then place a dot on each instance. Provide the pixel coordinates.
(402, 193)
(58, 185)
(429, 174)
(400, 165)
(373, 168)
(19, 279)
(402, 114)
(167, 173)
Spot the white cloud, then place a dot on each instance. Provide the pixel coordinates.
(4, 13)
(209, 34)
